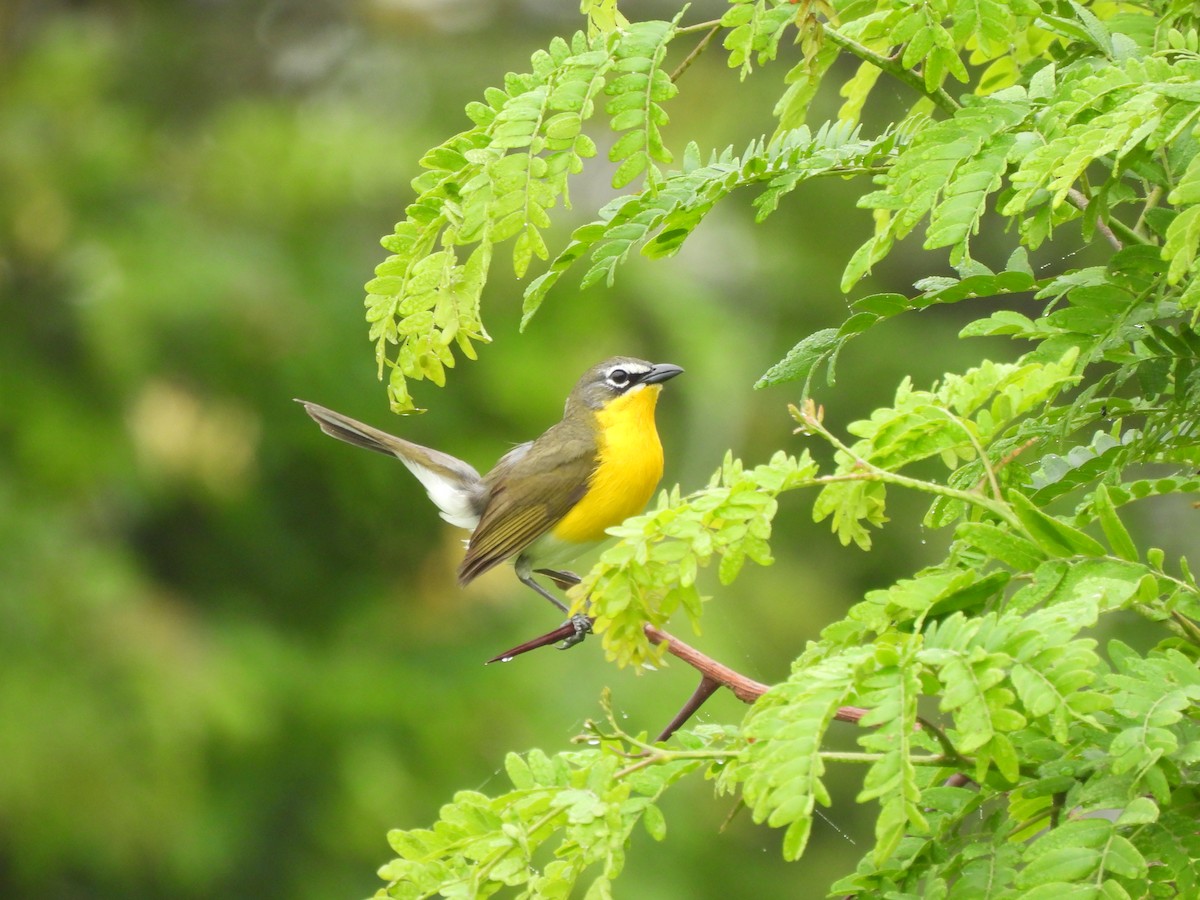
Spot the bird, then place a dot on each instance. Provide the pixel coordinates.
(547, 501)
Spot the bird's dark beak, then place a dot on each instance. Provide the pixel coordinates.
(660, 373)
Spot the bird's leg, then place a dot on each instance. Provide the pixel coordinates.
(528, 581)
(581, 624)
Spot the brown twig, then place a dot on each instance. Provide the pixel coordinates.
(704, 690)
(745, 689)
(564, 632)
(1004, 461)
(713, 675)
(1080, 202)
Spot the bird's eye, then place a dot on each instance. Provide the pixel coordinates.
(618, 377)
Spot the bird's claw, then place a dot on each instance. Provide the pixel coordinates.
(583, 627)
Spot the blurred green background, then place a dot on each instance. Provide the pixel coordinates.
(232, 653)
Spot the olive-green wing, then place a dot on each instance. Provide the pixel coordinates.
(530, 492)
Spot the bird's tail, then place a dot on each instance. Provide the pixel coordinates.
(453, 485)
(354, 432)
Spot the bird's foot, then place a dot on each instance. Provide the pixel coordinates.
(583, 627)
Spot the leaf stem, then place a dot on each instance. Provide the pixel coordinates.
(698, 27)
(917, 760)
(1190, 629)
(984, 461)
(655, 754)
(948, 750)
(810, 421)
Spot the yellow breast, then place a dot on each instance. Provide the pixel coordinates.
(630, 467)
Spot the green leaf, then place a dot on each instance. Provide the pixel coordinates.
(891, 694)
(651, 573)
(754, 31)
(635, 98)
(654, 822)
(1114, 530)
(1053, 535)
(1001, 544)
(1123, 859)
(819, 347)
(947, 171)
(494, 182)
(1140, 811)
(781, 773)
(1068, 853)
(1183, 238)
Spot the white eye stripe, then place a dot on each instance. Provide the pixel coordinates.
(621, 377)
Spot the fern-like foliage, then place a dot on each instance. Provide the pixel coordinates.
(754, 30)
(578, 803)
(659, 222)
(498, 181)
(1008, 752)
(652, 572)
(781, 773)
(1009, 683)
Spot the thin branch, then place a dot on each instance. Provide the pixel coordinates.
(652, 755)
(1190, 629)
(948, 749)
(1005, 460)
(871, 473)
(562, 633)
(1152, 199)
(717, 674)
(917, 760)
(656, 755)
(744, 688)
(1014, 453)
(984, 461)
(1128, 235)
(696, 51)
(713, 674)
(892, 67)
(648, 754)
(1079, 201)
(707, 687)
(958, 779)
(1060, 801)
(810, 421)
(699, 26)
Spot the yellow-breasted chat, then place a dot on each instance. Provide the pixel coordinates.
(551, 499)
